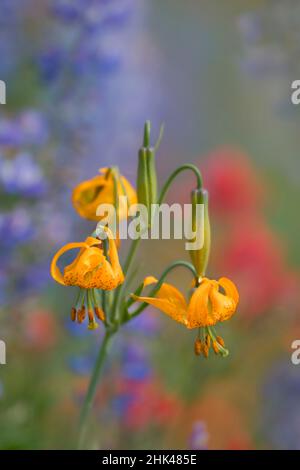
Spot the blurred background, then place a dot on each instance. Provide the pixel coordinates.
(82, 76)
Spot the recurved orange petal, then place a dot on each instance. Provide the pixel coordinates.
(168, 299)
(229, 288)
(54, 269)
(223, 306)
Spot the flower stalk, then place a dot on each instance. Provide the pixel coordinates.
(104, 282)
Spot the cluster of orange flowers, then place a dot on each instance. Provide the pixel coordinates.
(97, 269)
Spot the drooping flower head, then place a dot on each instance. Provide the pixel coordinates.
(211, 302)
(105, 188)
(92, 269)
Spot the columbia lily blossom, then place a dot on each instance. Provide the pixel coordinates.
(91, 268)
(105, 188)
(211, 302)
(103, 291)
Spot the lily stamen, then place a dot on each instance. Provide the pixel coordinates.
(73, 314)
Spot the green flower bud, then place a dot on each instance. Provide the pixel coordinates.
(146, 174)
(200, 257)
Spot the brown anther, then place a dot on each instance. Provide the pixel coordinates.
(215, 347)
(91, 315)
(205, 350)
(81, 314)
(100, 313)
(73, 314)
(198, 347)
(207, 341)
(220, 341)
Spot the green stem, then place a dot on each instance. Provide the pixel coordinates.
(170, 268)
(89, 398)
(187, 166)
(130, 257)
(80, 298)
(224, 351)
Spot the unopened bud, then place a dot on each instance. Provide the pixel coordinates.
(200, 256)
(146, 174)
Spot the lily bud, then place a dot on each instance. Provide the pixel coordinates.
(200, 257)
(146, 174)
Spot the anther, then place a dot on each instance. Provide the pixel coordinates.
(81, 314)
(100, 313)
(91, 315)
(207, 341)
(205, 350)
(73, 314)
(215, 347)
(198, 347)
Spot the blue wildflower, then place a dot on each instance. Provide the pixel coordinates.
(10, 134)
(33, 127)
(280, 407)
(22, 175)
(16, 227)
(199, 437)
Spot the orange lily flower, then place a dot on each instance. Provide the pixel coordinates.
(89, 194)
(211, 302)
(90, 269)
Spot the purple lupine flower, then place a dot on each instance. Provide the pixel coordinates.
(121, 403)
(29, 128)
(98, 57)
(147, 324)
(50, 63)
(16, 227)
(270, 34)
(199, 437)
(81, 365)
(135, 362)
(11, 11)
(3, 284)
(10, 134)
(102, 14)
(67, 10)
(32, 278)
(22, 175)
(33, 127)
(52, 226)
(93, 14)
(280, 406)
(265, 62)
(251, 27)
(76, 330)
